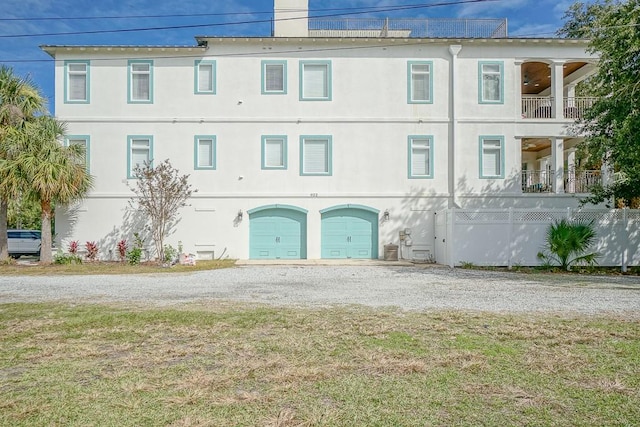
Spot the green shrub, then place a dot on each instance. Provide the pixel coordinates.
(568, 243)
(134, 255)
(170, 254)
(66, 259)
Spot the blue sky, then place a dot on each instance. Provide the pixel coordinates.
(19, 28)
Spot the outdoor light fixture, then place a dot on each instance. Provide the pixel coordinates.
(239, 217)
(385, 215)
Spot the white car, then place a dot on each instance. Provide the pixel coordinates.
(24, 242)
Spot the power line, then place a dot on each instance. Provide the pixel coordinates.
(363, 9)
(258, 21)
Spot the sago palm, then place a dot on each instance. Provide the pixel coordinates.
(19, 102)
(568, 244)
(56, 174)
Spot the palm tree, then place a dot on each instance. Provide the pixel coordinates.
(569, 243)
(55, 174)
(19, 102)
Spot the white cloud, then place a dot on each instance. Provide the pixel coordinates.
(534, 30)
(494, 9)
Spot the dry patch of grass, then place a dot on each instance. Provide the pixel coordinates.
(15, 269)
(248, 365)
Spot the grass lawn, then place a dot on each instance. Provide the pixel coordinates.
(249, 365)
(15, 269)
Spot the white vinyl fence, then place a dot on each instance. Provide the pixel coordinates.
(511, 237)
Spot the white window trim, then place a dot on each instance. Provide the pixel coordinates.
(265, 90)
(130, 139)
(481, 74)
(410, 147)
(328, 81)
(501, 164)
(264, 154)
(329, 154)
(411, 73)
(130, 84)
(196, 152)
(67, 81)
(196, 77)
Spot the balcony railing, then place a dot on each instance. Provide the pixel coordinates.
(574, 181)
(575, 107)
(581, 181)
(537, 181)
(414, 28)
(541, 107)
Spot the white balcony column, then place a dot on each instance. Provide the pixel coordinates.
(557, 164)
(571, 171)
(557, 88)
(571, 95)
(517, 90)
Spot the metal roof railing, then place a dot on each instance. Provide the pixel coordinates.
(408, 28)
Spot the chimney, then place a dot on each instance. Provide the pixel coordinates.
(291, 18)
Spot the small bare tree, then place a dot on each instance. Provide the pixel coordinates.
(161, 191)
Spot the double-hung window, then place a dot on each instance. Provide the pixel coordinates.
(76, 82)
(274, 152)
(205, 77)
(139, 153)
(420, 156)
(141, 81)
(274, 77)
(83, 142)
(491, 157)
(420, 82)
(315, 155)
(491, 82)
(315, 80)
(204, 152)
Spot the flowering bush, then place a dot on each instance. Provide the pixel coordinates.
(92, 250)
(73, 247)
(122, 250)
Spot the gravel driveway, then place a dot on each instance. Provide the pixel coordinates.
(409, 288)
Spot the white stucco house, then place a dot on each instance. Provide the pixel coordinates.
(328, 138)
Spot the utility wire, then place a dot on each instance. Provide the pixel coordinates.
(258, 21)
(363, 9)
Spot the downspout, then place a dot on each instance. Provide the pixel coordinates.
(454, 50)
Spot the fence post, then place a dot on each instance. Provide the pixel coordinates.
(509, 240)
(625, 242)
(451, 238)
(569, 212)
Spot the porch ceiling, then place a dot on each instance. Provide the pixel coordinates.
(533, 145)
(536, 76)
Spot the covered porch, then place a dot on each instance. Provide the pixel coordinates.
(549, 165)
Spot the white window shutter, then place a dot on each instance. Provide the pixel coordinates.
(77, 79)
(141, 81)
(77, 87)
(491, 162)
(316, 156)
(274, 153)
(140, 152)
(420, 158)
(420, 76)
(315, 81)
(205, 77)
(205, 153)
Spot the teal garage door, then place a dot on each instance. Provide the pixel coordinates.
(349, 231)
(277, 232)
